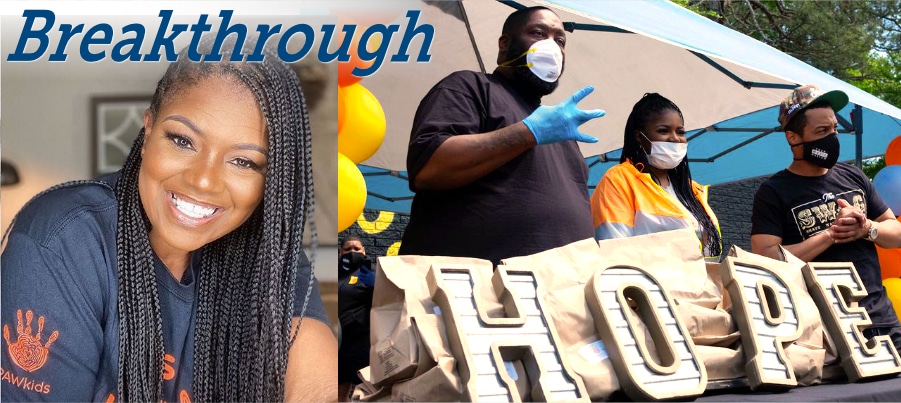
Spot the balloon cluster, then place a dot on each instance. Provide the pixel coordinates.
(361, 129)
(888, 184)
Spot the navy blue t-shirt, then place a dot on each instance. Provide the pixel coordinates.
(59, 290)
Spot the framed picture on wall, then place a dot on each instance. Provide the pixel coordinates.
(115, 123)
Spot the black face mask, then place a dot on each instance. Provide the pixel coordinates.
(350, 262)
(823, 152)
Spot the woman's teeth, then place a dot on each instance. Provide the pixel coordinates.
(193, 210)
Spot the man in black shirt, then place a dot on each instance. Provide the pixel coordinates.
(495, 173)
(823, 211)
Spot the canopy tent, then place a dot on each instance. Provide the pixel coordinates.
(726, 83)
(751, 145)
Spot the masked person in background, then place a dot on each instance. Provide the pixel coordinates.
(826, 212)
(651, 190)
(497, 174)
(356, 280)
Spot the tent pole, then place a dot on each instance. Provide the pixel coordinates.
(858, 138)
(472, 38)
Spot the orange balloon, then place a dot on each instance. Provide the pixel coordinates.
(889, 262)
(893, 152)
(345, 69)
(893, 292)
(340, 109)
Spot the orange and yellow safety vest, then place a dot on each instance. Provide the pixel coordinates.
(627, 203)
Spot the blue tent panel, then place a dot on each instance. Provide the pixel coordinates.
(720, 155)
(386, 190)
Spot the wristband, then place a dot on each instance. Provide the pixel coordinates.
(829, 234)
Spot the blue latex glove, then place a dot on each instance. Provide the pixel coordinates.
(366, 275)
(555, 123)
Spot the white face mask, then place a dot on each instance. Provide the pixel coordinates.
(665, 155)
(545, 60)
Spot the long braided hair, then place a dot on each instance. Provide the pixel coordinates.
(246, 291)
(647, 108)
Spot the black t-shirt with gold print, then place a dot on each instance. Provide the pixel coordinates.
(796, 207)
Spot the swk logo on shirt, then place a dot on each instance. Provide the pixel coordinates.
(818, 215)
(28, 351)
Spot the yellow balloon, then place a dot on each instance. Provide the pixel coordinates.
(893, 292)
(363, 129)
(351, 192)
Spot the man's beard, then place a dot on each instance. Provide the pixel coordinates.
(527, 81)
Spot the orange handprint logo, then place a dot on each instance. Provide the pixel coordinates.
(27, 352)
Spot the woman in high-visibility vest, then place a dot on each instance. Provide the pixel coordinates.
(651, 190)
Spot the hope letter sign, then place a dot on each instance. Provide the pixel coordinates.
(765, 314)
(511, 358)
(836, 288)
(516, 355)
(678, 373)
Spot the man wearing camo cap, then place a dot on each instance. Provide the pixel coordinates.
(826, 212)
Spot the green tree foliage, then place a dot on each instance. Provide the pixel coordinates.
(833, 36)
(855, 41)
(872, 165)
(881, 76)
(698, 8)
(889, 15)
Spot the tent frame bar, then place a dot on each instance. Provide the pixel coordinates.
(764, 132)
(472, 38)
(733, 148)
(746, 84)
(572, 26)
(390, 199)
(857, 120)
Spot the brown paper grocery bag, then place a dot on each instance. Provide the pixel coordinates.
(437, 384)
(674, 258)
(408, 338)
(367, 392)
(564, 272)
(831, 350)
(808, 353)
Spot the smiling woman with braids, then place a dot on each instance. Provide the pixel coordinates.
(181, 277)
(651, 190)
